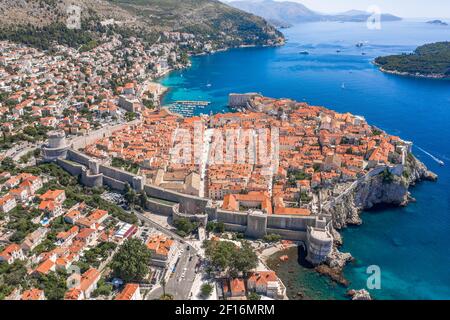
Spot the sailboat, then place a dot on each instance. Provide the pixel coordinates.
(343, 85)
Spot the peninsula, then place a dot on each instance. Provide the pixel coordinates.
(331, 166)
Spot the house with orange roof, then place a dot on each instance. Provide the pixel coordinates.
(33, 294)
(32, 184)
(7, 203)
(130, 292)
(162, 248)
(266, 283)
(72, 216)
(98, 216)
(54, 195)
(20, 194)
(87, 235)
(74, 294)
(89, 281)
(65, 237)
(12, 253)
(34, 239)
(252, 200)
(50, 207)
(237, 287)
(84, 222)
(46, 267)
(12, 182)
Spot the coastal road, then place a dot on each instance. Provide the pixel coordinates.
(181, 280)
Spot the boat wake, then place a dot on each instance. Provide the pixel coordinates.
(431, 156)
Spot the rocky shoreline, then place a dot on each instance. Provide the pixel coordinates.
(413, 75)
(374, 191)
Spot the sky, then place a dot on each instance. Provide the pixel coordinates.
(402, 8)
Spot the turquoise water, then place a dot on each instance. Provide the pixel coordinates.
(411, 245)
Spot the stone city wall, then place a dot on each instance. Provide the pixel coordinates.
(188, 204)
(73, 168)
(83, 141)
(117, 174)
(159, 207)
(78, 157)
(113, 183)
(201, 218)
(286, 234)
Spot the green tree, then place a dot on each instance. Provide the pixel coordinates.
(143, 199)
(8, 164)
(253, 296)
(226, 256)
(131, 261)
(206, 290)
(54, 285)
(184, 226)
(243, 259)
(272, 237)
(130, 194)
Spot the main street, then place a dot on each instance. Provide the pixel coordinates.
(181, 280)
(183, 273)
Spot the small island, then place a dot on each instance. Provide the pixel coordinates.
(427, 61)
(438, 22)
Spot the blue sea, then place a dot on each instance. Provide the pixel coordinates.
(410, 245)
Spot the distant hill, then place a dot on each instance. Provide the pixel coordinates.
(429, 61)
(286, 11)
(438, 22)
(207, 19)
(294, 12)
(359, 16)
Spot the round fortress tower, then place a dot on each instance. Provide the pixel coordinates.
(56, 146)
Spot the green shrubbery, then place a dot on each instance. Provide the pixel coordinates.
(427, 59)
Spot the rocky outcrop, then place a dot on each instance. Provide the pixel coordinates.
(416, 171)
(334, 265)
(362, 294)
(338, 260)
(382, 186)
(389, 188)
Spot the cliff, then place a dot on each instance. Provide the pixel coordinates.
(385, 188)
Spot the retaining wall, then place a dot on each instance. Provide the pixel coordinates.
(78, 157)
(113, 183)
(188, 204)
(159, 208)
(74, 169)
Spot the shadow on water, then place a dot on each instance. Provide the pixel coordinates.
(300, 278)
